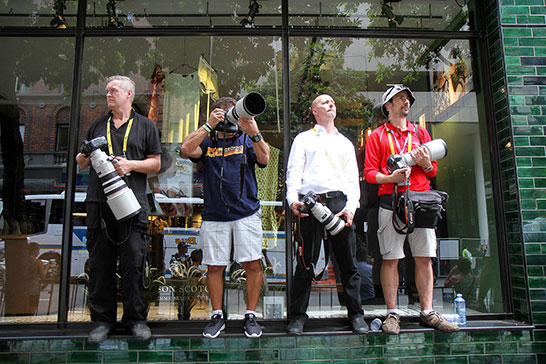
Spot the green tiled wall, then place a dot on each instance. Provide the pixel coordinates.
(522, 27)
(420, 347)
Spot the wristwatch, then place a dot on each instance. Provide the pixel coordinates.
(256, 138)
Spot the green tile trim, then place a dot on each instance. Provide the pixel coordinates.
(519, 359)
(261, 355)
(189, 356)
(15, 358)
(278, 342)
(172, 343)
(48, 358)
(29, 345)
(296, 354)
(121, 357)
(331, 353)
(66, 345)
(84, 357)
(469, 348)
(155, 356)
(226, 355)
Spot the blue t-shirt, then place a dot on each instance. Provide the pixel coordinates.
(222, 194)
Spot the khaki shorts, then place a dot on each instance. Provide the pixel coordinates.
(391, 244)
(215, 237)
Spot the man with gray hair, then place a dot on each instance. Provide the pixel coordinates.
(133, 141)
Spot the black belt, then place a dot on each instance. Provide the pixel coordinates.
(330, 194)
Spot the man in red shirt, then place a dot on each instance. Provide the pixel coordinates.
(398, 136)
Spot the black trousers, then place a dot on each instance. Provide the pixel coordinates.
(343, 248)
(102, 264)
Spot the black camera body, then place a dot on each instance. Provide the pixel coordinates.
(396, 161)
(88, 146)
(332, 223)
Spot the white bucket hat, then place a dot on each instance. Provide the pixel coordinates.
(391, 92)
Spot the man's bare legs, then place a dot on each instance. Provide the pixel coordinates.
(424, 279)
(253, 283)
(215, 285)
(389, 282)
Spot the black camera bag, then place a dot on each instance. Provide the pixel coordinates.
(417, 209)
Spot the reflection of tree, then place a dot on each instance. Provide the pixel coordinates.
(408, 57)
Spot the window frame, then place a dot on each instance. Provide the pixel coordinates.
(80, 33)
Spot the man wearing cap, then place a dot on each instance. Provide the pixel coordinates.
(323, 161)
(398, 136)
(181, 256)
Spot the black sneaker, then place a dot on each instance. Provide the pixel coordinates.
(215, 326)
(252, 329)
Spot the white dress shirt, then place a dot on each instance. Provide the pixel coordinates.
(322, 162)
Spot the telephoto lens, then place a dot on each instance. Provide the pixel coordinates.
(120, 198)
(332, 223)
(437, 149)
(249, 106)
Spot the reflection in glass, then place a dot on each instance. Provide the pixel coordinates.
(177, 81)
(58, 14)
(32, 97)
(187, 13)
(357, 72)
(377, 14)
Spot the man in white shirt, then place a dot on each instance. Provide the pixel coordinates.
(323, 161)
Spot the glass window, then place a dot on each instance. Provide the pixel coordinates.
(190, 13)
(356, 72)
(377, 14)
(177, 80)
(59, 14)
(33, 175)
(63, 117)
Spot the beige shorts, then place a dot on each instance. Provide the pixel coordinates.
(216, 236)
(422, 242)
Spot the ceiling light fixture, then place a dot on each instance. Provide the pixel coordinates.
(388, 11)
(113, 20)
(254, 8)
(58, 21)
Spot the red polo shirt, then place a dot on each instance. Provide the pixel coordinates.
(378, 149)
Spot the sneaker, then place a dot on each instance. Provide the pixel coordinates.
(436, 321)
(391, 325)
(215, 326)
(252, 329)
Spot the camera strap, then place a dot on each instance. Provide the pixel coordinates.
(409, 211)
(104, 228)
(315, 250)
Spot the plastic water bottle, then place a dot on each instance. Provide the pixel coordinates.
(375, 325)
(460, 309)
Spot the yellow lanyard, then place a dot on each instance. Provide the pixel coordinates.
(328, 154)
(389, 132)
(109, 138)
